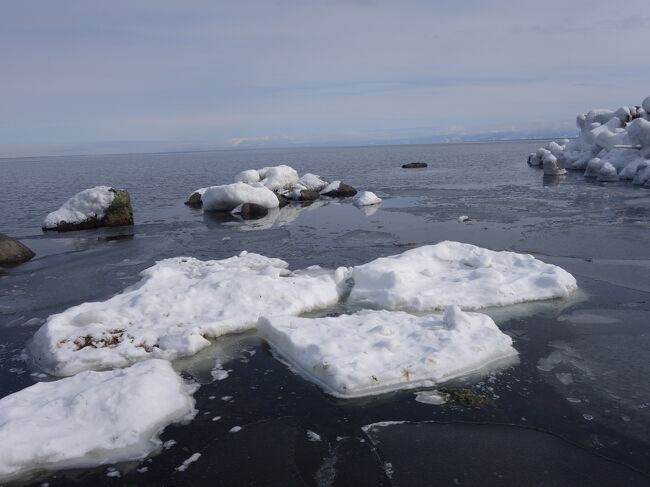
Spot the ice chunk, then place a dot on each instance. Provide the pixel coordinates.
(312, 182)
(178, 304)
(91, 419)
(435, 276)
(607, 173)
(89, 203)
(230, 196)
(593, 168)
(551, 166)
(367, 198)
(372, 352)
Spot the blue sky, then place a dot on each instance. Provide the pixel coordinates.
(137, 75)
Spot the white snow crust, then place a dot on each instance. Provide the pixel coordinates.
(87, 204)
(229, 196)
(435, 276)
(91, 419)
(178, 304)
(373, 352)
(367, 198)
(612, 145)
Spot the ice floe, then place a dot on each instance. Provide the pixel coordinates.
(434, 276)
(372, 352)
(178, 304)
(611, 145)
(367, 198)
(89, 203)
(93, 418)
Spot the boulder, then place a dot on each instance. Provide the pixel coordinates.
(337, 189)
(251, 211)
(194, 200)
(414, 165)
(282, 200)
(13, 252)
(308, 195)
(120, 213)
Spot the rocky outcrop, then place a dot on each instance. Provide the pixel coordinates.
(13, 252)
(414, 165)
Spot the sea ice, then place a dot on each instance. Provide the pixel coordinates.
(612, 145)
(87, 204)
(372, 352)
(434, 276)
(93, 418)
(229, 196)
(367, 198)
(178, 304)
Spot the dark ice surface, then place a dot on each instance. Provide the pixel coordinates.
(575, 410)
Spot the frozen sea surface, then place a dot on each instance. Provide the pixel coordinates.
(580, 387)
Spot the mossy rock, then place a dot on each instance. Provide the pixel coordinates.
(194, 200)
(13, 252)
(120, 213)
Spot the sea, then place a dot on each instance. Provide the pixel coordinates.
(573, 410)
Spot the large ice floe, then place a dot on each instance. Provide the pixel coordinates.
(612, 145)
(371, 352)
(89, 203)
(91, 419)
(179, 304)
(434, 276)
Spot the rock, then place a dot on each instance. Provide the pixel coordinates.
(283, 200)
(466, 397)
(337, 189)
(119, 213)
(308, 195)
(194, 200)
(12, 251)
(414, 165)
(251, 211)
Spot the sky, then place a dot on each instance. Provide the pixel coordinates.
(158, 75)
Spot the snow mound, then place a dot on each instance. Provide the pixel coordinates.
(89, 203)
(367, 198)
(91, 419)
(178, 304)
(435, 276)
(373, 352)
(230, 196)
(611, 145)
(275, 178)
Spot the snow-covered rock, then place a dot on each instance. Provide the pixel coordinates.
(91, 419)
(373, 352)
(178, 304)
(551, 166)
(610, 141)
(367, 198)
(435, 276)
(338, 189)
(229, 196)
(91, 208)
(250, 176)
(312, 182)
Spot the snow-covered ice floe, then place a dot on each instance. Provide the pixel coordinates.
(91, 419)
(373, 352)
(612, 145)
(230, 196)
(89, 203)
(178, 304)
(434, 276)
(367, 198)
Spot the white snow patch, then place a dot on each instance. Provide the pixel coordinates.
(87, 204)
(188, 462)
(333, 186)
(178, 304)
(312, 182)
(229, 196)
(372, 352)
(313, 436)
(434, 276)
(434, 397)
(91, 419)
(235, 429)
(463, 218)
(367, 198)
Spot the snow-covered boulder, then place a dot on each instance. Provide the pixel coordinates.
(435, 276)
(312, 182)
(367, 198)
(13, 252)
(337, 189)
(250, 176)
(373, 352)
(91, 419)
(101, 206)
(229, 196)
(179, 304)
(551, 166)
(196, 197)
(618, 139)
